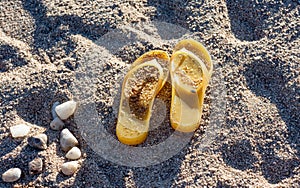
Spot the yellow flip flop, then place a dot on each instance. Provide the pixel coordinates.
(141, 84)
(190, 68)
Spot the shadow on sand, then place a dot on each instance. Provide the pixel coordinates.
(269, 79)
(249, 19)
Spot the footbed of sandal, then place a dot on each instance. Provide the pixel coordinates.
(140, 86)
(191, 69)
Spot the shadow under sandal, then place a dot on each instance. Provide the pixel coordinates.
(191, 68)
(141, 84)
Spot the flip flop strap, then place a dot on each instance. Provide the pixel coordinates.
(206, 72)
(206, 75)
(153, 63)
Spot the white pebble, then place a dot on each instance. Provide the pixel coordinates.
(11, 175)
(38, 141)
(257, 58)
(67, 140)
(55, 104)
(19, 130)
(69, 168)
(57, 124)
(35, 166)
(73, 153)
(65, 110)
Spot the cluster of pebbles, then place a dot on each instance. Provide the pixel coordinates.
(68, 142)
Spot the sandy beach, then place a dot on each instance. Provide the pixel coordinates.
(62, 50)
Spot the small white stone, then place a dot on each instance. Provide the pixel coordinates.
(69, 168)
(257, 58)
(38, 141)
(35, 166)
(55, 104)
(67, 140)
(73, 153)
(57, 124)
(11, 175)
(65, 110)
(19, 130)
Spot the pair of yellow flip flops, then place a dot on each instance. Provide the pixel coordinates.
(190, 67)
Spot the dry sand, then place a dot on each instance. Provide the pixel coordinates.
(254, 44)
